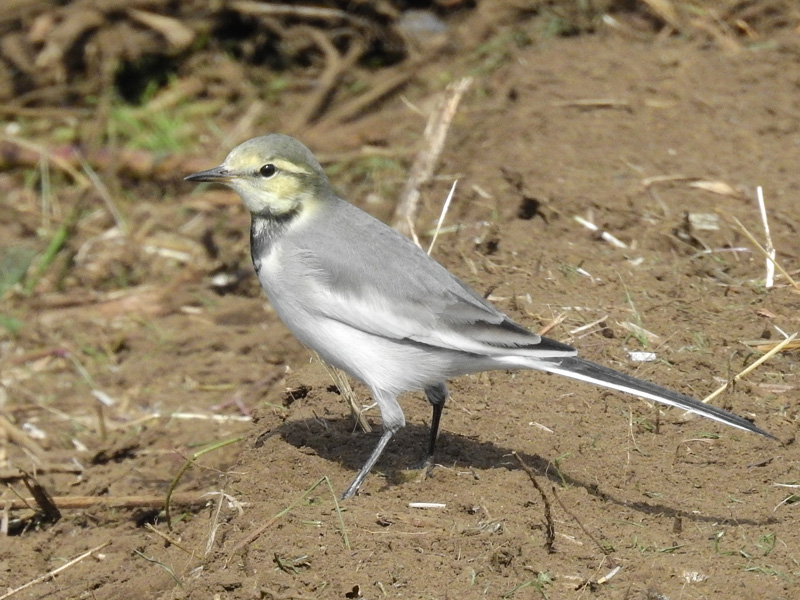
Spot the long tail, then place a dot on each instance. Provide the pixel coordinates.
(584, 370)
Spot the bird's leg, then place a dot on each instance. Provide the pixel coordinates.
(373, 458)
(437, 395)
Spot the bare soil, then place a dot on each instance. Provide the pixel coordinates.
(636, 133)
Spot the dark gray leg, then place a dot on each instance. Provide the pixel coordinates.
(393, 419)
(437, 395)
(373, 458)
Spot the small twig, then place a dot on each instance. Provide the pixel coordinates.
(605, 551)
(640, 331)
(288, 10)
(170, 540)
(583, 328)
(54, 572)
(778, 266)
(102, 428)
(343, 384)
(442, 216)
(550, 528)
(181, 416)
(77, 502)
(425, 162)
(603, 234)
(212, 532)
(337, 65)
(769, 279)
(761, 346)
(752, 367)
(103, 192)
(11, 474)
(18, 436)
(667, 12)
(349, 110)
(552, 324)
(594, 103)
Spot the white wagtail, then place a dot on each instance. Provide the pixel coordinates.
(372, 303)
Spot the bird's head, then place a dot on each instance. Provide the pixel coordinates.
(275, 175)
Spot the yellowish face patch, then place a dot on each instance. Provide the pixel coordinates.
(279, 194)
(271, 182)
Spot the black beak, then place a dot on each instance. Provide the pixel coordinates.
(217, 174)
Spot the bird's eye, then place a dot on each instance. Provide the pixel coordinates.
(268, 170)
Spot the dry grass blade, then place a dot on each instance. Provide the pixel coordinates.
(769, 278)
(54, 572)
(752, 367)
(275, 9)
(176, 33)
(343, 384)
(783, 272)
(17, 436)
(188, 463)
(611, 239)
(640, 331)
(666, 11)
(715, 187)
(445, 208)
(586, 327)
(80, 502)
(594, 103)
(767, 345)
(552, 324)
(103, 192)
(170, 540)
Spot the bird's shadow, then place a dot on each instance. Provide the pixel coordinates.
(335, 440)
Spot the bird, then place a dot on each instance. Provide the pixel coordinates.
(371, 302)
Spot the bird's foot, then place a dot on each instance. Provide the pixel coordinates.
(426, 466)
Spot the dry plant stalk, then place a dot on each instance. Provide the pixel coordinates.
(78, 502)
(443, 214)
(340, 380)
(769, 278)
(425, 162)
(778, 266)
(336, 66)
(54, 572)
(666, 11)
(752, 367)
(17, 436)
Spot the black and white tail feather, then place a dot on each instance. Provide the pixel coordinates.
(590, 372)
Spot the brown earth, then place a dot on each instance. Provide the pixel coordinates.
(635, 133)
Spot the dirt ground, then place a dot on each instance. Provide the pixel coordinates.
(132, 356)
